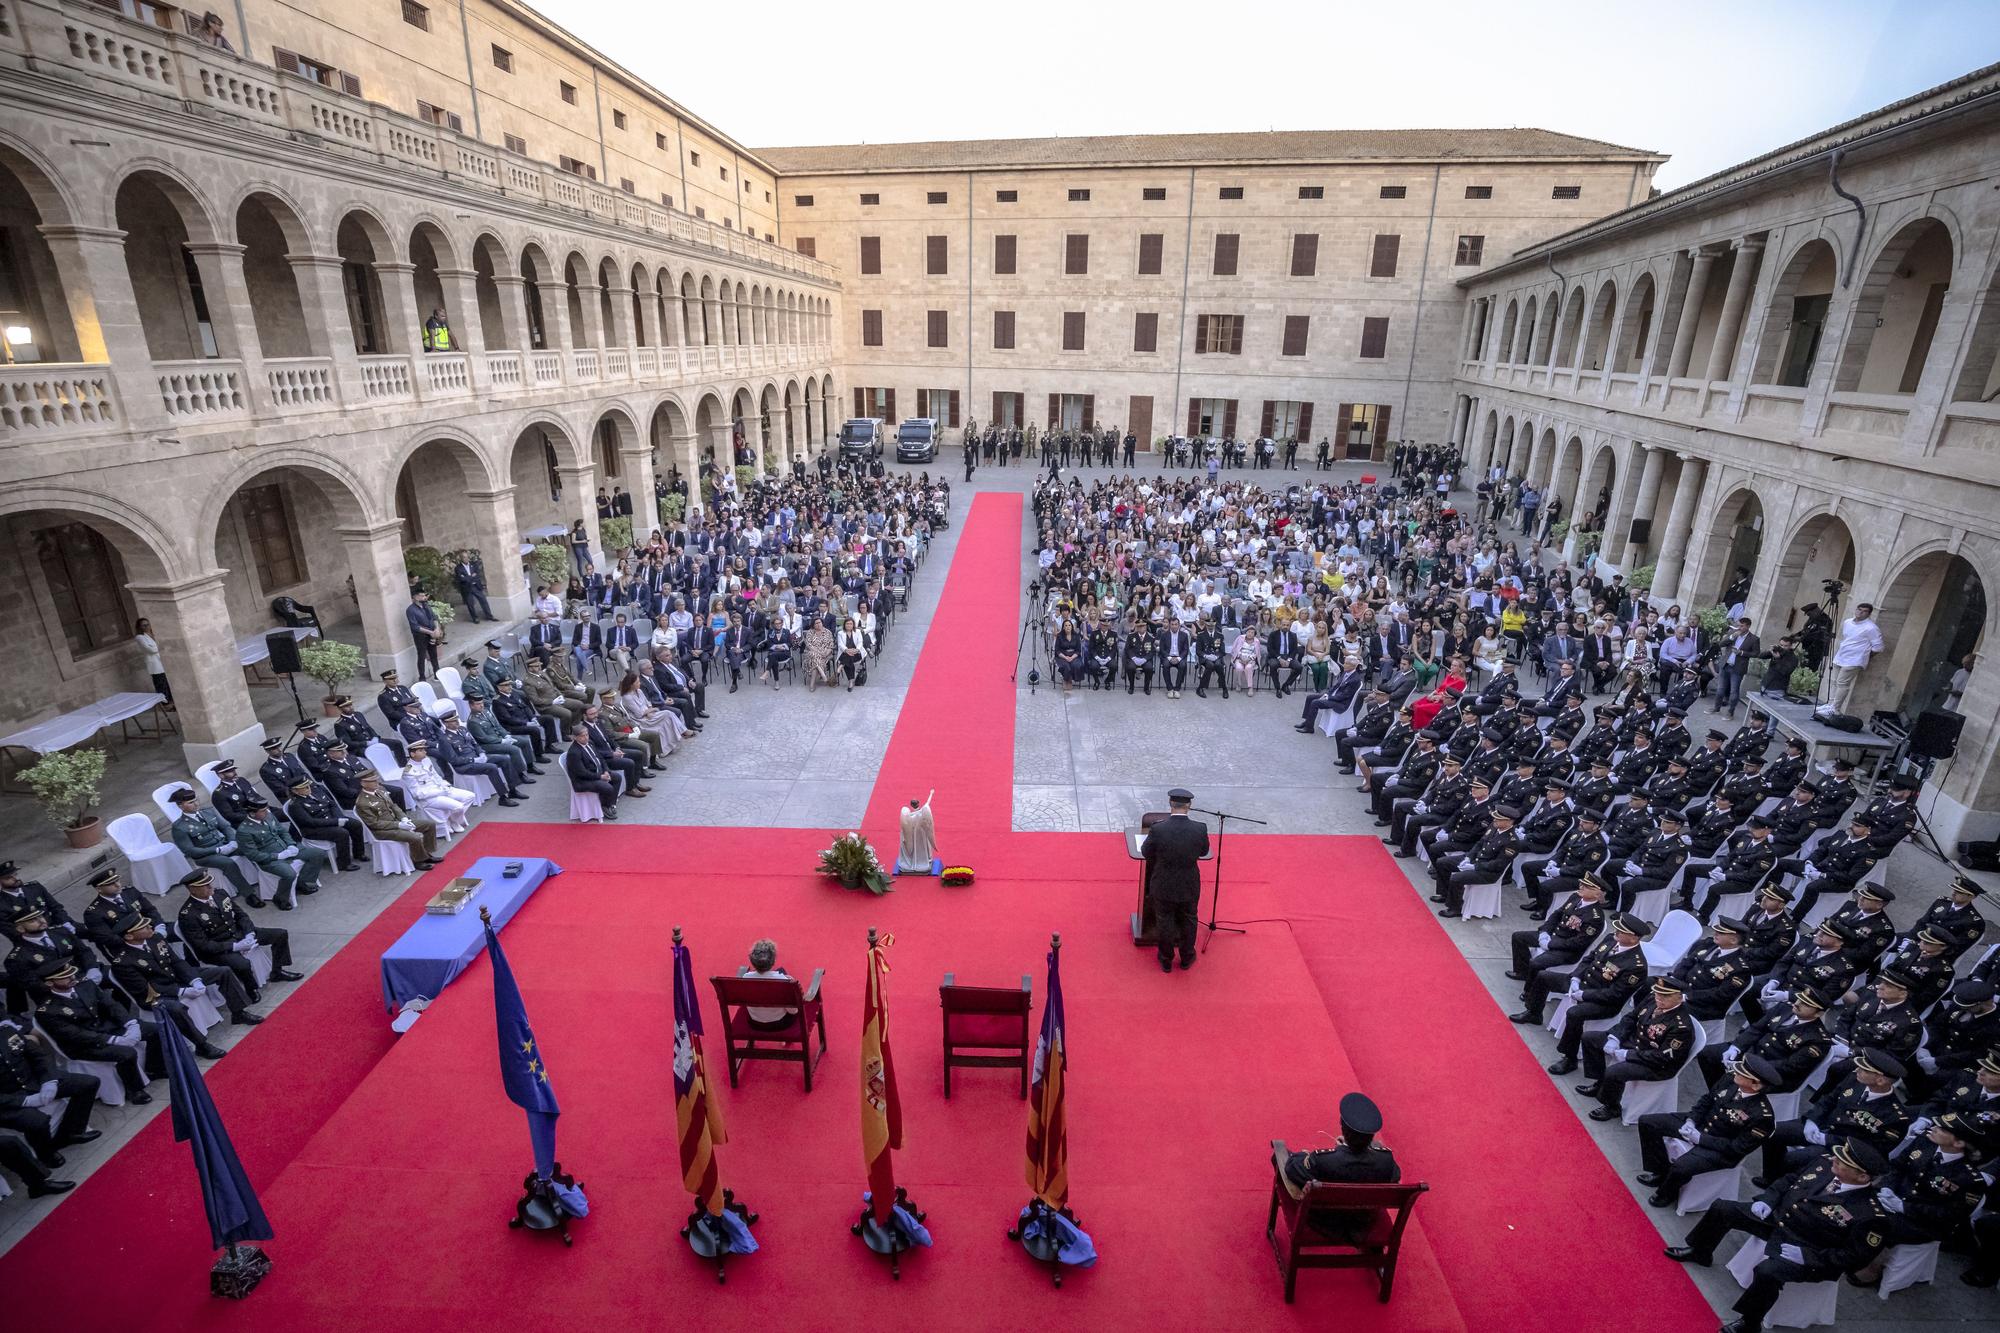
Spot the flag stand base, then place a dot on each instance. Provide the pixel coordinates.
(1040, 1246)
(237, 1273)
(537, 1209)
(887, 1239)
(706, 1237)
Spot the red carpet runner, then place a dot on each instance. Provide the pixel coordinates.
(387, 1165)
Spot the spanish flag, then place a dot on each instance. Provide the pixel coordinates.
(881, 1109)
(1048, 1104)
(700, 1114)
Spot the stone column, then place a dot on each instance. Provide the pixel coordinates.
(592, 332)
(579, 487)
(1730, 324)
(637, 462)
(753, 437)
(513, 312)
(325, 305)
(1697, 288)
(104, 310)
(687, 457)
(231, 315)
(497, 532)
(1671, 560)
(795, 421)
(468, 328)
(1648, 498)
(211, 701)
(402, 321)
(382, 591)
(1618, 523)
(620, 332)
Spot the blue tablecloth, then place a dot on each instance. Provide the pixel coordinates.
(432, 952)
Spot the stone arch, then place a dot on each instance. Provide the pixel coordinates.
(1505, 458)
(1979, 373)
(1525, 336)
(1934, 611)
(1818, 546)
(1542, 465)
(1488, 444)
(1569, 332)
(711, 330)
(1599, 492)
(541, 294)
(148, 552)
(1735, 542)
(432, 253)
(489, 266)
(1795, 316)
(711, 427)
(1635, 329)
(45, 300)
(429, 480)
(1567, 475)
(543, 448)
(363, 243)
(1597, 330)
(162, 215)
(1890, 334)
(607, 279)
(576, 275)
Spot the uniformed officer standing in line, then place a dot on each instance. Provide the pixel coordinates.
(1174, 848)
(1358, 1160)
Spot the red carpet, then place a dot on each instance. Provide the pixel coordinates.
(388, 1165)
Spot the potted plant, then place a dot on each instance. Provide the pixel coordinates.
(1558, 530)
(331, 663)
(427, 566)
(549, 565)
(66, 784)
(1712, 621)
(672, 506)
(852, 861)
(617, 534)
(1804, 683)
(1641, 580)
(746, 477)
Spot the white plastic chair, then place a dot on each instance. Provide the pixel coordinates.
(432, 704)
(1677, 933)
(383, 761)
(110, 1089)
(1659, 1095)
(162, 800)
(202, 1011)
(1785, 1105)
(156, 866)
(479, 785)
(1704, 1191)
(1800, 1305)
(1482, 901)
(584, 806)
(205, 775)
(1909, 1265)
(451, 685)
(390, 857)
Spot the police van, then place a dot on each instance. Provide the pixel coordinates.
(861, 437)
(917, 440)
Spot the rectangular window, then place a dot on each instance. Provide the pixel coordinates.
(802, 201)
(1567, 192)
(1225, 255)
(937, 255)
(1470, 250)
(416, 15)
(694, 158)
(871, 328)
(1305, 254)
(1395, 191)
(701, 212)
(1153, 194)
(438, 116)
(86, 583)
(1382, 263)
(1076, 253)
(871, 254)
(722, 173)
(806, 246)
(1006, 196)
(515, 144)
(1150, 245)
(666, 199)
(1479, 192)
(1374, 337)
(1230, 192)
(659, 141)
(576, 167)
(625, 183)
(1218, 335)
(870, 200)
(325, 75)
(1296, 330)
(1146, 331)
(1003, 254)
(568, 92)
(503, 60)
(267, 514)
(1003, 330)
(1072, 330)
(729, 224)
(1079, 196)
(1312, 192)
(936, 197)
(617, 119)
(937, 328)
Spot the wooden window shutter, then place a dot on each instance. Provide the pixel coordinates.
(994, 419)
(1269, 421)
(1342, 424)
(1076, 253)
(1194, 417)
(889, 405)
(954, 409)
(287, 61)
(1003, 330)
(1229, 417)
(1150, 246)
(860, 402)
(1305, 254)
(871, 328)
(1375, 337)
(349, 84)
(1382, 264)
(923, 402)
(1003, 254)
(1073, 327)
(1140, 418)
(1382, 424)
(1236, 335)
(1201, 333)
(871, 254)
(808, 246)
(1296, 329)
(1055, 411)
(1305, 421)
(1090, 411)
(1225, 254)
(936, 254)
(1146, 332)
(937, 332)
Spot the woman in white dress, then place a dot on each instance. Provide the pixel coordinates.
(424, 784)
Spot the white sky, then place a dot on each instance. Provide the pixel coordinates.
(1710, 83)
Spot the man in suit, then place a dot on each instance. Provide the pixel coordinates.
(1176, 651)
(544, 638)
(1174, 848)
(1566, 686)
(681, 689)
(1285, 655)
(470, 576)
(621, 643)
(206, 839)
(1337, 697)
(588, 773)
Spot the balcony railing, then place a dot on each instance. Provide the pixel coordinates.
(504, 368)
(197, 389)
(300, 383)
(583, 362)
(386, 379)
(47, 401)
(546, 367)
(91, 45)
(451, 372)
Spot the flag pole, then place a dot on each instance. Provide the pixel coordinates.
(890, 1220)
(1046, 1228)
(712, 1235)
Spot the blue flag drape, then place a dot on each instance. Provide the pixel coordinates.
(522, 1069)
(234, 1214)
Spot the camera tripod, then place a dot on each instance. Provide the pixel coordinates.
(1031, 642)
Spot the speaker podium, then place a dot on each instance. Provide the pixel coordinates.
(1135, 847)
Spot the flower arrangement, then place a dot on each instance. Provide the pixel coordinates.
(957, 876)
(853, 862)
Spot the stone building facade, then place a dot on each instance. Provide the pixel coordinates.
(1790, 370)
(1241, 284)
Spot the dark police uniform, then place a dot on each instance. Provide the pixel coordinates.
(1174, 848)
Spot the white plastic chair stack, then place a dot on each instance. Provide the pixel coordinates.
(156, 866)
(584, 806)
(1658, 1096)
(388, 857)
(1676, 935)
(1800, 1305)
(1909, 1265)
(1704, 1191)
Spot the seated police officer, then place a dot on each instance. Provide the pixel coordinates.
(88, 1022)
(219, 932)
(32, 1078)
(1358, 1160)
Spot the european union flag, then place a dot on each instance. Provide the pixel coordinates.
(234, 1215)
(522, 1069)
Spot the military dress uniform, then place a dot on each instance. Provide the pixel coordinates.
(1836, 865)
(389, 824)
(1794, 1045)
(281, 771)
(103, 913)
(513, 752)
(214, 928)
(1728, 1125)
(1744, 861)
(1562, 938)
(1867, 930)
(266, 841)
(1934, 1193)
(1173, 852)
(206, 839)
(1960, 925)
(27, 1067)
(358, 732)
(26, 896)
(234, 797)
(1650, 1044)
(36, 947)
(314, 812)
(1712, 977)
(1849, 1109)
(1654, 864)
(1406, 782)
(1482, 863)
(1961, 1029)
(87, 1022)
(1580, 852)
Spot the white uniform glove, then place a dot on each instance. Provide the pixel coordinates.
(228, 848)
(1633, 868)
(1760, 1210)
(1927, 1060)
(37, 1100)
(94, 973)
(1920, 1126)
(1611, 1048)
(1813, 1134)
(1791, 1254)
(1730, 1055)
(1542, 940)
(160, 928)
(289, 854)
(1690, 1132)
(1887, 1198)
(190, 992)
(244, 945)
(405, 824)
(1575, 986)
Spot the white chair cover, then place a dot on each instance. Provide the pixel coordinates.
(1658, 1096)
(1704, 1191)
(584, 807)
(1800, 1305)
(205, 775)
(1677, 933)
(167, 807)
(156, 866)
(1482, 901)
(1908, 1266)
(388, 858)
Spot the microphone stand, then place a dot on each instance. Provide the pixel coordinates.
(1222, 819)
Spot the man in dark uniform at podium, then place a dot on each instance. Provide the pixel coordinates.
(1174, 848)
(1356, 1161)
